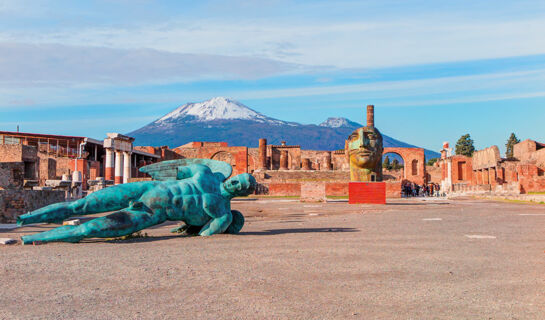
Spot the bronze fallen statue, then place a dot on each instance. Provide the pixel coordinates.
(195, 191)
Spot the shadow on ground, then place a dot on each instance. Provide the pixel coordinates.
(298, 230)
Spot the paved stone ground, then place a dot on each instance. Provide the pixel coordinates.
(406, 260)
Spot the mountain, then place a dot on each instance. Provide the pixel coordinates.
(338, 123)
(222, 119)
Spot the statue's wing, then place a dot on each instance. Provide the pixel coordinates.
(170, 170)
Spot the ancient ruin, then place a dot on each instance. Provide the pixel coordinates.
(486, 172)
(39, 169)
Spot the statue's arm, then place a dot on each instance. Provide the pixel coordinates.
(215, 207)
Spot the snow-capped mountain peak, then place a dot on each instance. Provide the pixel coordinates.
(337, 123)
(218, 108)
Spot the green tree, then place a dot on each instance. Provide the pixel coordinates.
(386, 163)
(432, 161)
(396, 165)
(465, 146)
(510, 144)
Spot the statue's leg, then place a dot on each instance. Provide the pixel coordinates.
(117, 224)
(217, 225)
(109, 199)
(55, 212)
(237, 223)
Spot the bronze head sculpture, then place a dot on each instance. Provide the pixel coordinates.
(364, 151)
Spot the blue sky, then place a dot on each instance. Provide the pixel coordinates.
(434, 69)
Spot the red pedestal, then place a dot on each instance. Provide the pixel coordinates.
(367, 192)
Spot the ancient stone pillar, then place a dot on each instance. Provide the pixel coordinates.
(318, 166)
(109, 165)
(370, 115)
(284, 160)
(485, 176)
(328, 164)
(305, 165)
(126, 166)
(118, 179)
(492, 176)
(262, 163)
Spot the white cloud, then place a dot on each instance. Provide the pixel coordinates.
(407, 88)
(24, 65)
(354, 44)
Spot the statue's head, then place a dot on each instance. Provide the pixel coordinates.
(364, 147)
(364, 150)
(240, 185)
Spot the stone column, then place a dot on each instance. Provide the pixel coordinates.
(262, 164)
(305, 164)
(118, 167)
(492, 176)
(317, 166)
(109, 165)
(328, 164)
(370, 115)
(284, 160)
(126, 166)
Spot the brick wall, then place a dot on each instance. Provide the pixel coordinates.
(393, 174)
(237, 157)
(434, 174)
(11, 175)
(296, 176)
(393, 189)
(11, 152)
(13, 203)
(336, 188)
(283, 189)
(313, 191)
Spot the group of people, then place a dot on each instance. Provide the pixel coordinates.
(411, 189)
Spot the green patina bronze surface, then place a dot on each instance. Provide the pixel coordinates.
(195, 191)
(364, 149)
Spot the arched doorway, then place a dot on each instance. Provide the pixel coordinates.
(414, 163)
(225, 157)
(393, 166)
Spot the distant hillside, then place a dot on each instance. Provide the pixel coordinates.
(221, 119)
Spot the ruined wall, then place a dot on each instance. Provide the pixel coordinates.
(19, 155)
(47, 167)
(11, 175)
(486, 158)
(393, 189)
(414, 160)
(253, 159)
(11, 152)
(281, 189)
(340, 161)
(434, 174)
(523, 151)
(294, 156)
(288, 183)
(164, 152)
(462, 169)
(320, 160)
(313, 191)
(13, 203)
(288, 176)
(237, 157)
(394, 175)
(529, 151)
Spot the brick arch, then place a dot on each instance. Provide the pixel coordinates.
(414, 161)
